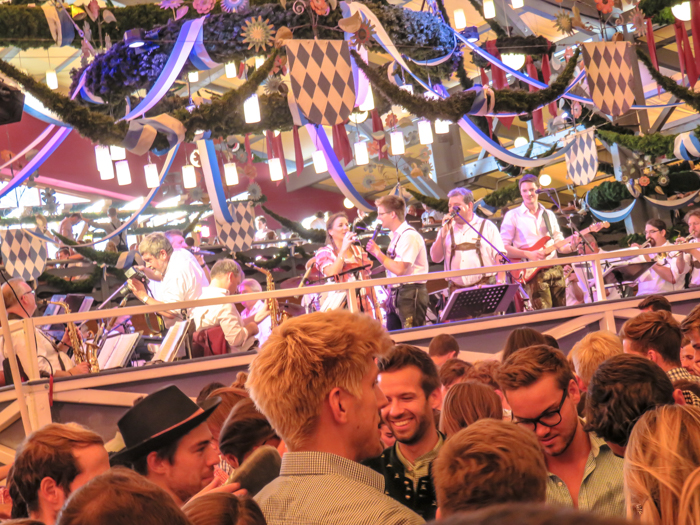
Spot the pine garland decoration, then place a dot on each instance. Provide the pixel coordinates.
(688, 96)
(504, 196)
(656, 144)
(86, 285)
(440, 205)
(313, 235)
(608, 195)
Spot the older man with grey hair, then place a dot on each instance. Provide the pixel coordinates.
(181, 277)
(226, 276)
(460, 246)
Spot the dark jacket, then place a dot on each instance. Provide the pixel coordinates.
(399, 487)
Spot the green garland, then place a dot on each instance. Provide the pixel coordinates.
(688, 96)
(537, 46)
(608, 195)
(656, 144)
(652, 8)
(440, 205)
(634, 238)
(314, 235)
(456, 106)
(86, 285)
(504, 196)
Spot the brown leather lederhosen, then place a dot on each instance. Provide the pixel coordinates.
(463, 247)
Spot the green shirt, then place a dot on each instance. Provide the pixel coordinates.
(421, 467)
(602, 486)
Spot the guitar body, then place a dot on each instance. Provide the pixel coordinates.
(525, 276)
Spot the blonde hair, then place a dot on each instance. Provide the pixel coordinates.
(466, 403)
(393, 203)
(304, 359)
(663, 452)
(587, 355)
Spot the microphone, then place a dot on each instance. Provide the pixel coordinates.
(453, 213)
(542, 190)
(199, 252)
(261, 468)
(376, 231)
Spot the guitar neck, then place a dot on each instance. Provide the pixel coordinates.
(564, 242)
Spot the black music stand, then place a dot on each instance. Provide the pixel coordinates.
(625, 273)
(467, 303)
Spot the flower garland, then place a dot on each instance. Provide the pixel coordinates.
(313, 235)
(688, 96)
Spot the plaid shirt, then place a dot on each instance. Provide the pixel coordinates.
(678, 374)
(317, 488)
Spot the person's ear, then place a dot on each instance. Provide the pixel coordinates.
(50, 494)
(338, 403)
(653, 356)
(678, 397)
(231, 460)
(435, 399)
(438, 514)
(574, 392)
(156, 464)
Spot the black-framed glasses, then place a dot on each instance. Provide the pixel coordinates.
(651, 231)
(32, 292)
(548, 419)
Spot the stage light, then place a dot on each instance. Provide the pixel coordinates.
(397, 143)
(470, 33)
(251, 109)
(230, 69)
(513, 60)
(361, 153)
(368, 104)
(276, 173)
(489, 9)
(545, 180)
(442, 126)
(320, 164)
(519, 142)
(682, 12)
(425, 132)
(123, 172)
(348, 204)
(193, 76)
(134, 38)
(52, 79)
(189, 177)
(117, 153)
(151, 173)
(460, 19)
(231, 174)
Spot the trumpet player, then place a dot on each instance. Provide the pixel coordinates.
(689, 260)
(665, 276)
(20, 302)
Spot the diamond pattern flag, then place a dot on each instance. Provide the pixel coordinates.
(238, 235)
(323, 88)
(582, 157)
(609, 73)
(24, 255)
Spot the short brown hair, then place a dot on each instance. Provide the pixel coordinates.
(245, 428)
(489, 462)
(522, 337)
(529, 177)
(691, 321)
(230, 396)
(403, 356)
(528, 365)
(304, 359)
(485, 372)
(121, 497)
(658, 224)
(453, 370)
(656, 303)
(217, 508)
(658, 331)
(692, 213)
(48, 453)
(467, 403)
(442, 345)
(530, 514)
(392, 203)
(587, 355)
(689, 385)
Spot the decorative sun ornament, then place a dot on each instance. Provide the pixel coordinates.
(363, 35)
(258, 34)
(576, 109)
(640, 26)
(250, 171)
(663, 180)
(604, 6)
(203, 6)
(170, 4)
(234, 6)
(320, 7)
(254, 191)
(564, 23)
(368, 181)
(374, 148)
(275, 85)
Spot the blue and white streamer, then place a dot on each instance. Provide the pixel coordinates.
(676, 204)
(212, 179)
(199, 56)
(687, 146)
(611, 216)
(36, 109)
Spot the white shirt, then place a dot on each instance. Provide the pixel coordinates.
(318, 224)
(651, 283)
(584, 276)
(183, 281)
(469, 258)
(521, 229)
(409, 247)
(44, 350)
(224, 315)
(425, 218)
(264, 326)
(694, 272)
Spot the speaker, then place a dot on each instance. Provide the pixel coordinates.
(11, 104)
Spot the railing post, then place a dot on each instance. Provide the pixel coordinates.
(352, 300)
(608, 320)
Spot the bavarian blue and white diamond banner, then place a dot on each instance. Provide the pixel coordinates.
(323, 87)
(582, 157)
(238, 235)
(609, 73)
(23, 254)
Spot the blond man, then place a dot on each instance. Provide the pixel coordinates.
(479, 467)
(315, 380)
(590, 352)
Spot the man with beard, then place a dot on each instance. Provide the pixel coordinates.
(690, 260)
(666, 275)
(409, 380)
(583, 472)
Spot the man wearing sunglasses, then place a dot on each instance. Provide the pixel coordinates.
(583, 471)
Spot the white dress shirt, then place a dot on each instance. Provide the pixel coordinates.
(48, 357)
(465, 259)
(694, 272)
(584, 276)
(409, 247)
(651, 283)
(264, 326)
(521, 229)
(224, 315)
(183, 280)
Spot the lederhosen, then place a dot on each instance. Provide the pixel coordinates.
(463, 247)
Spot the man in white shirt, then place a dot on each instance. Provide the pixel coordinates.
(664, 276)
(20, 302)
(182, 278)
(461, 247)
(263, 233)
(431, 216)
(225, 277)
(113, 224)
(255, 311)
(406, 256)
(690, 260)
(585, 272)
(522, 228)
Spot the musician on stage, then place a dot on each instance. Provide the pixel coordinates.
(690, 260)
(342, 253)
(461, 247)
(582, 273)
(665, 275)
(406, 255)
(522, 228)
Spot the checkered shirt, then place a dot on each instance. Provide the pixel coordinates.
(317, 488)
(680, 373)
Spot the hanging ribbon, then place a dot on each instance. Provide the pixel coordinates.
(142, 132)
(298, 153)
(547, 76)
(279, 152)
(269, 146)
(199, 57)
(611, 216)
(676, 204)
(537, 119)
(695, 27)
(686, 52)
(679, 44)
(213, 182)
(498, 76)
(341, 144)
(484, 83)
(378, 126)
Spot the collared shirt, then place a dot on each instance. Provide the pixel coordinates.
(692, 266)
(651, 283)
(585, 272)
(224, 315)
(421, 467)
(601, 489)
(408, 246)
(680, 374)
(522, 229)
(465, 259)
(317, 488)
(183, 281)
(48, 356)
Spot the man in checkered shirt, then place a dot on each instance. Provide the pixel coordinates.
(315, 380)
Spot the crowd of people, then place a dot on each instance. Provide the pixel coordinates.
(334, 423)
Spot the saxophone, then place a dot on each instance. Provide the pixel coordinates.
(277, 317)
(82, 352)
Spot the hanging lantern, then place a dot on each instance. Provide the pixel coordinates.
(189, 177)
(276, 173)
(397, 144)
(348, 204)
(231, 174)
(320, 164)
(425, 132)
(230, 69)
(123, 172)
(368, 104)
(520, 142)
(513, 60)
(442, 126)
(251, 110)
(117, 153)
(489, 9)
(52, 79)
(106, 170)
(361, 153)
(193, 76)
(517, 4)
(680, 11)
(151, 173)
(102, 156)
(460, 19)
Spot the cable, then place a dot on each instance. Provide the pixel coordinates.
(15, 293)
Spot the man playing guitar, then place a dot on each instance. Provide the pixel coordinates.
(522, 229)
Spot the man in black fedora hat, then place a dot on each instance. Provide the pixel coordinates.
(168, 441)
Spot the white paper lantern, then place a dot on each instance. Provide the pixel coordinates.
(368, 104)
(460, 19)
(276, 173)
(117, 153)
(251, 110)
(52, 79)
(123, 172)
(193, 76)
(358, 118)
(231, 174)
(489, 9)
(320, 164)
(681, 12)
(106, 170)
(102, 155)
(517, 4)
(442, 126)
(152, 176)
(230, 69)
(189, 177)
(425, 132)
(397, 144)
(519, 142)
(361, 153)
(513, 60)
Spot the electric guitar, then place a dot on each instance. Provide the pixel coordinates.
(525, 276)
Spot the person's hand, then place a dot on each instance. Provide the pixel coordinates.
(262, 314)
(373, 249)
(349, 238)
(574, 242)
(634, 245)
(151, 274)
(538, 255)
(66, 340)
(446, 221)
(79, 369)
(137, 288)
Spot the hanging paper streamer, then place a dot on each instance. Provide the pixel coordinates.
(651, 46)
(685, 55)
(537, 119)
(198, 56)
(341, 144)
(676, 204)
(142, 133)
(695, 26)
(279, 152)
(212, 179)
(86, 95)
(687, 146)
(298, 153)
(611, 216)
